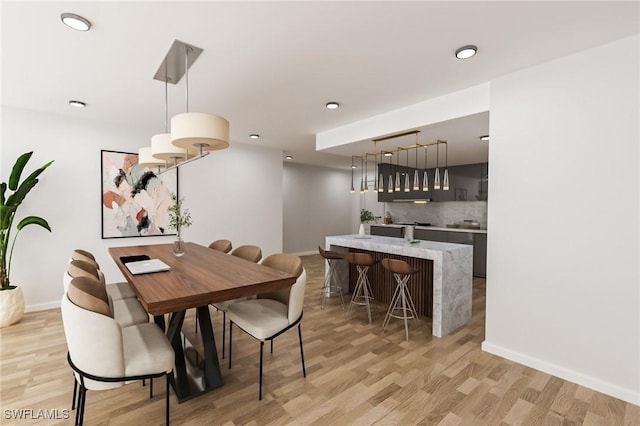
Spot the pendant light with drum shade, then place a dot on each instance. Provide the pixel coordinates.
(192, 134)
(198, 130)
(146, 159)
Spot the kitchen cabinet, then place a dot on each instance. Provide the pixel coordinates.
(480, 255)
(423, 234)
(387, 231)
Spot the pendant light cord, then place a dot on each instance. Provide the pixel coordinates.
(166, 100)
(186, 75)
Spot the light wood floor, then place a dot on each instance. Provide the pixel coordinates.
(355, 375)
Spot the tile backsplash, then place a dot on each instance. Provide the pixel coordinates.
(439, 213)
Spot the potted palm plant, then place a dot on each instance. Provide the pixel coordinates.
(11, 297)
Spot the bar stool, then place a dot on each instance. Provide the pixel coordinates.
(362, 294)
(330, 280)
(401, 305)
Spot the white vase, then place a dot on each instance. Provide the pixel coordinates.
(361, 230)
(11, 306)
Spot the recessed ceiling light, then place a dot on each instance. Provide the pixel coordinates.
(288, 157)
(77, 104)
(466, 52)
(332, 105)
(484, 138)
(76, 22)
(388, 154)
(353, 166)
(254, 136)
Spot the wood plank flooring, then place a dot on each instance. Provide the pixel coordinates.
(356, 375)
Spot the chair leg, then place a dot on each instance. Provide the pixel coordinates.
(354, 297)
(83, 400)
(75, 391)
(224, 326)
(336, 285)
(261, 350)
(78, 407)
(392, 306)
(367, 293)
(151, 388)
(304, 370)
(167, 402)
(271, 345)
(230, 341)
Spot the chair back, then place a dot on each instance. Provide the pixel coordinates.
(293, 297)
(296, 297)
(94, 339)
(80, 268)
(80, 254)
(221, 245)
(248, 252)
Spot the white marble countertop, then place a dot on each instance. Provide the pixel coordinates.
(452, 273)
(435, 228)
(419, 248)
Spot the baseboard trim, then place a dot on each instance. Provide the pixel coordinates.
(590, 382)
(42, 307)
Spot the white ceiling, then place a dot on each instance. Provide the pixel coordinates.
(270, 67)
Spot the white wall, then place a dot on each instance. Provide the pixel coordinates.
(317, 203)
(235, 194)
(563, 252)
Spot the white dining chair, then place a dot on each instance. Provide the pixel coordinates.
(104, 355)
(273, 313)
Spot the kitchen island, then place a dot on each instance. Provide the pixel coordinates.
(452, 273)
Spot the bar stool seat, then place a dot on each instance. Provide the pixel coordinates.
(331, 286)
(362, 294)
(401, 305)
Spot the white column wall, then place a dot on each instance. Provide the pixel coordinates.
(563, 252)
(317, 203)
(235, 194)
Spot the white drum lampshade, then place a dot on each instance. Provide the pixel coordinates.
(145, 159)
(163, 149)
(192, 130)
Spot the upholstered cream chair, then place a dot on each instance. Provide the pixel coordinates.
(126, 311)
(117, 291)
(247, 252)
(221, 245)
(273, 313)
(104, 355)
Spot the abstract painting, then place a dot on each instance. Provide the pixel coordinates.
(134, 198)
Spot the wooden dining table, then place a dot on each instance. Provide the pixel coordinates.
(200, 277)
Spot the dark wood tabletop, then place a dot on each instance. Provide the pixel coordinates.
(200, 277)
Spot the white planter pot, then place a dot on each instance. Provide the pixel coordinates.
(11, 306)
